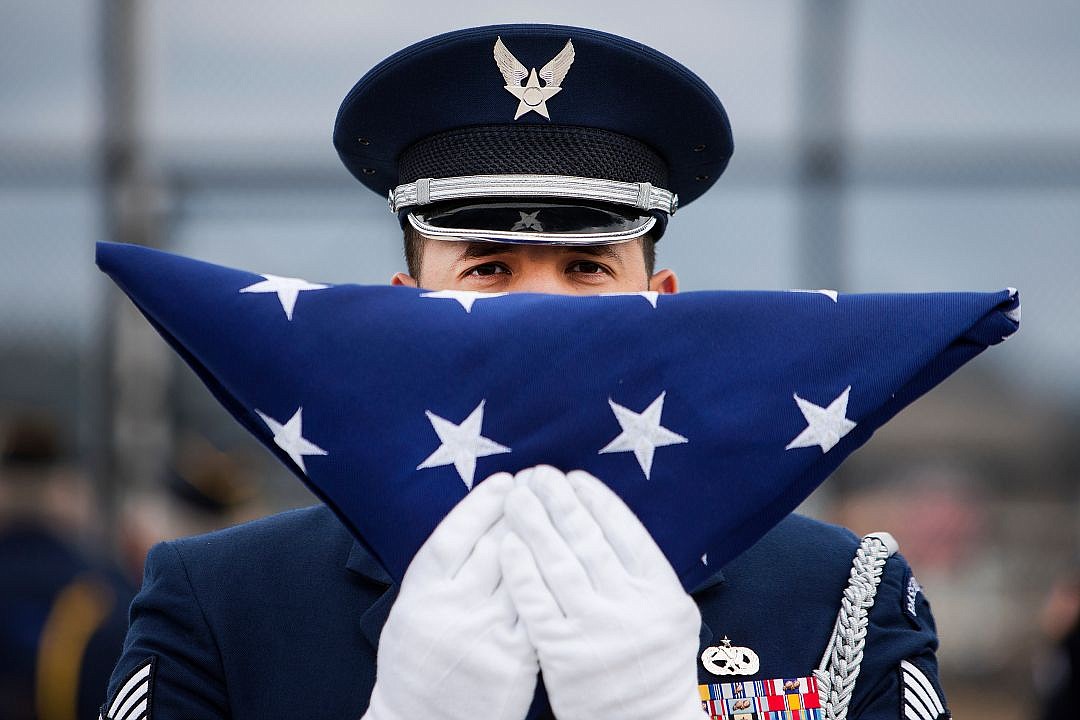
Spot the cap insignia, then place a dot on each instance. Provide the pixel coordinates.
(528, 221)
(532, 96)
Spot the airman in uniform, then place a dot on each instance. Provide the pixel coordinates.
(547, 159)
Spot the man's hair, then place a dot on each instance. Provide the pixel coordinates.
(414, 251)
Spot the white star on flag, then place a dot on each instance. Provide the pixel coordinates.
(642, 432)
(650, 295)
(287, 289)
(461, 444)
(289, 437)
(705, 559)
(465, 297)
(825, 426)
(831, 294)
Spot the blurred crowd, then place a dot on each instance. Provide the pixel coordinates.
(65, 582)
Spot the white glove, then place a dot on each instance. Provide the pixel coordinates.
(616, 634)
(453, 647)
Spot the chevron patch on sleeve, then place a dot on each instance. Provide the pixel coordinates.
(919, 699)
(132, 698)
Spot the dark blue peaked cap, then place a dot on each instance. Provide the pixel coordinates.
(617, 111)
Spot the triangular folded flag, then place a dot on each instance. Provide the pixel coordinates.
(712, 414)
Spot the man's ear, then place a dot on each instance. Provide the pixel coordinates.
(664, 282)
(403, 280)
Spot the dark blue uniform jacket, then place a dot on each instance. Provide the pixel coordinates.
(280, 618)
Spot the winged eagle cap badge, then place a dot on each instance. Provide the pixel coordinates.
(532, 96)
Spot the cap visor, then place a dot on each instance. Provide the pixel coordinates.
(531, 223)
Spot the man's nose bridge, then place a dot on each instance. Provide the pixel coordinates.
(541, 280)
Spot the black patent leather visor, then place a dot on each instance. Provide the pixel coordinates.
(532, 222)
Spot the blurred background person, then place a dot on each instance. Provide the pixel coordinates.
(63, 610)
(201, 490)
(64, 595)
(1057, 667)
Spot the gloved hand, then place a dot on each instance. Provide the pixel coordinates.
(453, 647)
(616, 634)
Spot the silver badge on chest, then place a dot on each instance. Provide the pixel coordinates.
(532, 96)
(728, 660)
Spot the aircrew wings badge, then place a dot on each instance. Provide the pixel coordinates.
(727, 660)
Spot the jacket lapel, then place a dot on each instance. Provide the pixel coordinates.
(363, 563)
(711, 582)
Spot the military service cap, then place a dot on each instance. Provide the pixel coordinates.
(470, 141)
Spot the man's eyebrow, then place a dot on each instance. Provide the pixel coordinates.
(607, 251)
(475, 250)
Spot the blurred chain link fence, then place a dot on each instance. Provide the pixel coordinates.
(871, 154)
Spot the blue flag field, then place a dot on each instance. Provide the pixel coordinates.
(712, 414)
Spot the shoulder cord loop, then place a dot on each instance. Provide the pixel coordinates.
(840, 665)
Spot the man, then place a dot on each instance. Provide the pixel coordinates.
(509, 179)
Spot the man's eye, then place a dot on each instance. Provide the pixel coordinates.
(587, 268)
(487, 269)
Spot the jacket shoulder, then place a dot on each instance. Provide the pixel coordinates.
(230, 621)
(294, 547)
(281, 537)
(791, 580)
(797, 545)
(801, 551)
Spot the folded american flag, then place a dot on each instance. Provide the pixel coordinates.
(712, 414)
